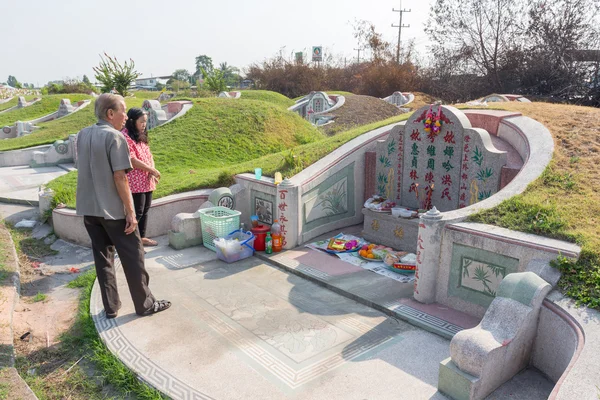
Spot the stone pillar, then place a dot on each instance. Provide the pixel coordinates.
(288, 213)
(429, 243)
(45, 197)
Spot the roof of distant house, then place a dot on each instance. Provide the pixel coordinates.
(154, 77)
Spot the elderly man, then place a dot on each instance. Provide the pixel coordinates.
(105, 201)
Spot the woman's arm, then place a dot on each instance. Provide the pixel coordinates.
(144, 167)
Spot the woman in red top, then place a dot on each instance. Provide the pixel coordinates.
(143, 178)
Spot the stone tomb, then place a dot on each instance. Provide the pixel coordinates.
(65, 108)
(399, 99)
(156, 115)
(454, 168)
(21, 102)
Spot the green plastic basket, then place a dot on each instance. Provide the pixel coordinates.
(217, 222)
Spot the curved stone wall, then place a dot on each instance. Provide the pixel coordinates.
(69, 226)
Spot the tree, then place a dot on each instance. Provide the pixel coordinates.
(480, 32)
(86, 80)
(178, 85)
(181, 75)
(231, 75)
(203, 62)
(12, 81)
(214, 81)
(369, 39)
(557, 33)
(112, 74)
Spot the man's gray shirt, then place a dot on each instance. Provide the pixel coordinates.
(101, 150)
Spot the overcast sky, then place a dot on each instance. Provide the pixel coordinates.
(45, 40)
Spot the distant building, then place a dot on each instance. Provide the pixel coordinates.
(246, 83)
(151, 83)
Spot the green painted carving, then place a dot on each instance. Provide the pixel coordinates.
(484, 175)
(475, 274)
(484, 195)
(333, 201)
(382, 181)
(385, 161)
(391, 147)
(478, 156)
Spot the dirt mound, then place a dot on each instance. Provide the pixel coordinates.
(360, 110)
(421, 99)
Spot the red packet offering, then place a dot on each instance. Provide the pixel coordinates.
(337, 244)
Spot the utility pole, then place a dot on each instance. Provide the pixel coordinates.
(400, 26)
(359, 49)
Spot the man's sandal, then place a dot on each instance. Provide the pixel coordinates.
(158, 306)
(149, 242)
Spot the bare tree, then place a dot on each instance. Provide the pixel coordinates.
(480, 32)
(561, 34)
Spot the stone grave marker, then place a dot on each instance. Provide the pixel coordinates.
(156, 115)
(65, 108)
(398, 99)
(21, 102)
(450, 167)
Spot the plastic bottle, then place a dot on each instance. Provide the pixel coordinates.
(278, 178)
(268, 244)
(276, 234)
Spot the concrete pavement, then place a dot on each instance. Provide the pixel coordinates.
(20, 184)
(250, 330)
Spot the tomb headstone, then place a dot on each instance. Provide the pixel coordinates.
(398, 99)
(156, 115)
(164, 97)
(21, 102)
(65, 108)
(453, 168)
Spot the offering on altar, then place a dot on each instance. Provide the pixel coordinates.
(337, 244)
(380, 204)
(374, 252)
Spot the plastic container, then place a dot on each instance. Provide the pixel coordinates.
(217, 222)
(260, 234)
(246, 247)
(276, 235)
(268, 243)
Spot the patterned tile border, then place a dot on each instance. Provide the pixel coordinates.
(427, 321)
(142, 366)
(294, 378)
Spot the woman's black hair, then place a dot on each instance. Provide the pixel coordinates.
(132, 116)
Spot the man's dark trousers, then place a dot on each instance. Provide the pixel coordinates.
(107, 235)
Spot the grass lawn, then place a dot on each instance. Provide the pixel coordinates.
(144, 94)
(61, 128)
(268, 96)
(79, 367)
(47, 105)
(564, 203)
(14, 101)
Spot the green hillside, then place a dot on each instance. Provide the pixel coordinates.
(47, 105)
(268, 96)
(61, 128)
(14, 101)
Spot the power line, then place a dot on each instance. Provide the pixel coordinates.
(400, 26)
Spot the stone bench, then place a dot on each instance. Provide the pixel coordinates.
(484, 357)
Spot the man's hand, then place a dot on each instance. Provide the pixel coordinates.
(130, 223)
